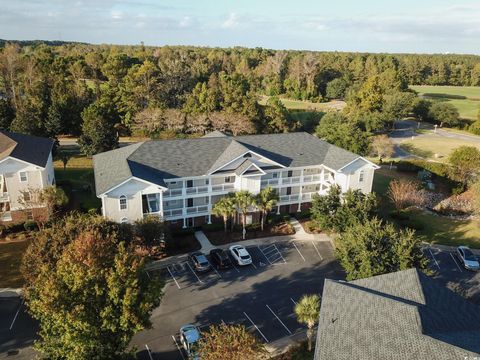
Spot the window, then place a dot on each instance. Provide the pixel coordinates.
(289, 190)
(29, 214)
(228, 179)
(206, 199)
(27, 196)
(207, 181)
(172, 183)
(189, 183)
(247, 155)
(361, 176)
(23, 176)
(123, 202)
(124, 220)
(289, 173)
(190, 202)
(274, 175)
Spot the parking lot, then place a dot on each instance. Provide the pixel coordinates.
(260, 296)
(17, 329)
(449, 270)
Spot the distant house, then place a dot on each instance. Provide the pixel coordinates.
(180, 180)
(402, 315)
(25, 163)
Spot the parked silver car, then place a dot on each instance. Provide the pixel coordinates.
(467, 258)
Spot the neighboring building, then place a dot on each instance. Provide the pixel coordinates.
(180, 180)
(25, 163)
(402, 315)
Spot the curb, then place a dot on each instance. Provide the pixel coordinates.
(10, 292)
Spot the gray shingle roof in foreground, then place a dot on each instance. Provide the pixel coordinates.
(197, 157)
(402, 315)
(32, 149)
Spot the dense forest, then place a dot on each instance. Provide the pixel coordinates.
(99, 92)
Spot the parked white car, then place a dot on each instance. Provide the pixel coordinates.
(240, 255)
(468, 259)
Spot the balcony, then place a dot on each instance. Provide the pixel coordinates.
(223, 188)
(311, 178)
(291, 180)
(267, 182)
(172, 193)
(173, 212)
(289, 198)
(197, 190)
(197, 209)
(4, 197)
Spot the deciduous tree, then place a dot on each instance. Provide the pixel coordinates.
(465, 164)
(404, 193)
(231, 342)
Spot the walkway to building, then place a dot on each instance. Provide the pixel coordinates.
(204, 242)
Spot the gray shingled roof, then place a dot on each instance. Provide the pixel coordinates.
(32, 149)
(402, 315)
(215, 133)
(197, 157)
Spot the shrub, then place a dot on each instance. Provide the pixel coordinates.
(30, 225)
(304, 214)
(217, 226)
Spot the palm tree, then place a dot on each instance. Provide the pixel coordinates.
(225, 207)
(307, 311)
(244, 199)
(265, 201)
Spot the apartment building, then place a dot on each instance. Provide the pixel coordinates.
(180, 180)
(25, 163)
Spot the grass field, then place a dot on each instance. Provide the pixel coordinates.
(78, 183)
(292, 104)
(429, 145)
(465, 98)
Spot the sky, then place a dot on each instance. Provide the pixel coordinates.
(413, 26)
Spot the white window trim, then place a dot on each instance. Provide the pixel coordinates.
(361, 176)
(20, 176)
(120, 202)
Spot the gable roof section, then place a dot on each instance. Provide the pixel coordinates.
(112, 168)
(248, 167)
(167, 159)
(402, 315)
(32, 149)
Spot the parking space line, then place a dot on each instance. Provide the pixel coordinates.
(220, 276)
(178, 347)
(453, 258)
(173, 277)
(294, 302)
(254, 265)
(194, 273)
(235, 267)
(264, 255)
(280, 254)
(256, 327)
(431, 253)
(16, 314)
(281, 322)
(298, 250)
(318, 252)
(149, 352)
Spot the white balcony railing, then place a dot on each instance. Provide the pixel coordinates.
(291, 180)
(311, 178)
(197, 190)
(289, 198)
(224, 187)
(172, 193)
(197, 209)
(269, 182)
(173, 212)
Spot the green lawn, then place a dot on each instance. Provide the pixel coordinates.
(78, 183)
(465, 98)
(434, 229)
(10, 259)
(427, 146)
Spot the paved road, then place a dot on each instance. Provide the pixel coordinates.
(405, 129)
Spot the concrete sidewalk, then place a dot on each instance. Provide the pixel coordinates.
(204, 242)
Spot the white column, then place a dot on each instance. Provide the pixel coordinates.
(161, 203)
(300, 191)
